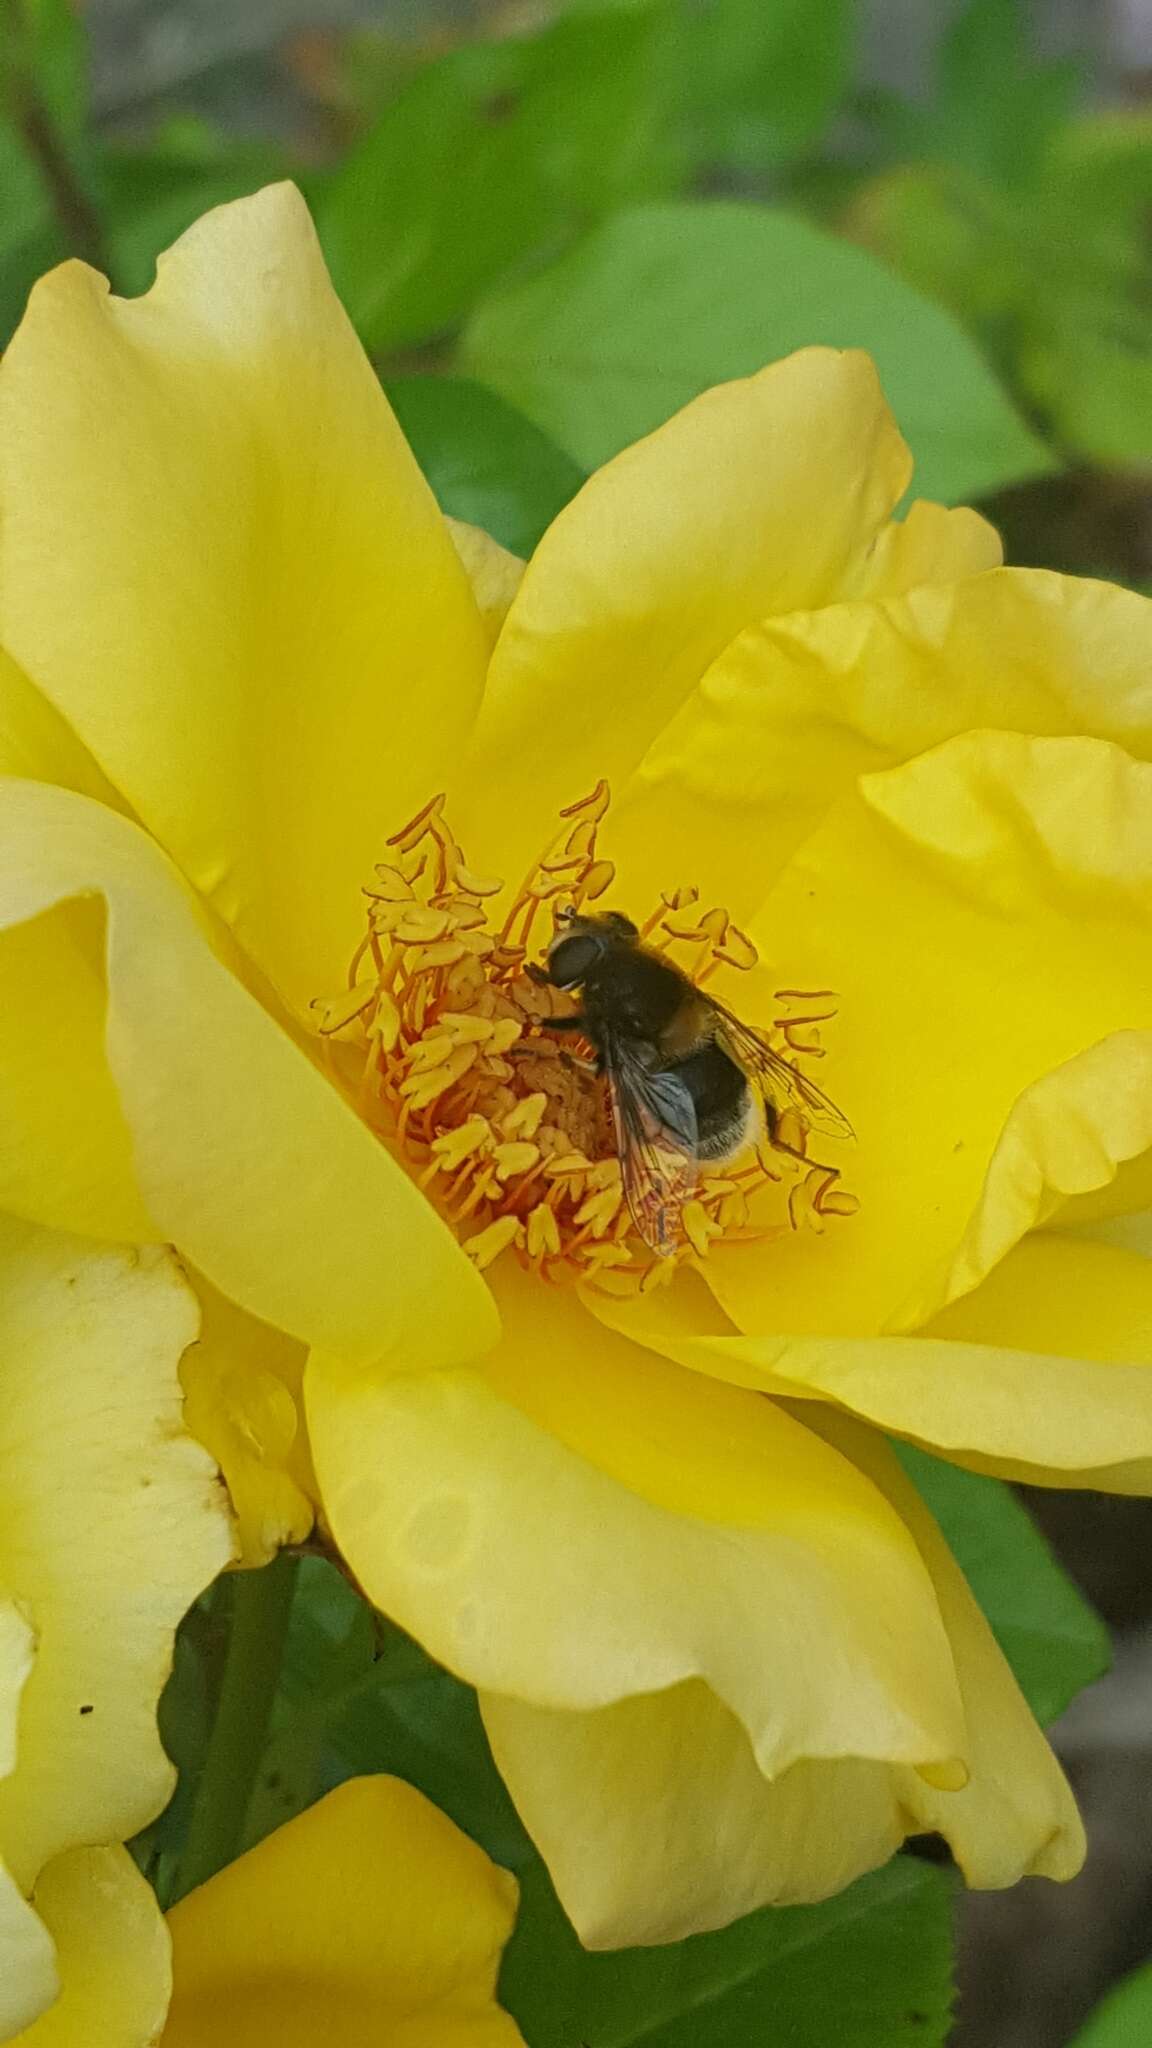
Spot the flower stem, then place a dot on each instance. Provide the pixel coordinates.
(255, 1606)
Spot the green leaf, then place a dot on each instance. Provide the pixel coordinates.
(1104, 161)
(998, 109)
(485, 461)
(1054, 1641)
(869, 1969)
(1093, 377)
(1124, 2020)
(762, 78)
(418, 1722)
(1056, 278)
(665, 300)
(487, 154)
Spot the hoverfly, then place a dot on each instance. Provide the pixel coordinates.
(687, 1080)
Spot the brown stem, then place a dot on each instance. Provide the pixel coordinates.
(77, 216)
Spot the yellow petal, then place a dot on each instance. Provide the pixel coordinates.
(222, 565)
(1079, 1131)
(114, 1954)
(797, 708)
(1060, 1292)
(1130, 1232)
(29, 1977)
(247, 1158)
(1042, 1374)
(36, 741)
(65, 1148)
(111, 1523)
(243, 1398)
(52, 1022)
(494, 573)
(983, 913)
(1016, 1816)
(656, 1822)
(369, 1918)
(592, 1523)
(1060, 1331)
(761, 497)
(931, 544)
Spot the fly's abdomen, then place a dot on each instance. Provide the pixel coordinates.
(725, 1105)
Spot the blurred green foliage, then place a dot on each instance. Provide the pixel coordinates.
(478, 188)
(548, 243)
(1124, 2019)
(486, 188)
(1031, 221)
(641, 315)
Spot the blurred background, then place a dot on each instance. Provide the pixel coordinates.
(993, 157)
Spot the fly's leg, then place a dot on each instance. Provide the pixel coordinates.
(595, 1065)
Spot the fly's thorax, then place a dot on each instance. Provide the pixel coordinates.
(635, 993)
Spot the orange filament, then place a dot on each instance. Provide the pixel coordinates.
(508, 1128)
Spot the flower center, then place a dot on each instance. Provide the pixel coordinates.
(443, 1036)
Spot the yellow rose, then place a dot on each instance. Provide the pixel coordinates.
(111, 1522)
(722, 1653)
(368, 1918)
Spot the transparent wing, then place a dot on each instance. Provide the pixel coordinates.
(784, 1085)
(655, 1123)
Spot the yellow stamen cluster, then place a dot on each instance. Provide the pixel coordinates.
(506, 1126)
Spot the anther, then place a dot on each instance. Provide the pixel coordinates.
(509, 1131)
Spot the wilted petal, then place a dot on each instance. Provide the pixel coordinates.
(111, 1523)
(243, 1398)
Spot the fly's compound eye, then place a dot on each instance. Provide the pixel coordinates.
(569, 962)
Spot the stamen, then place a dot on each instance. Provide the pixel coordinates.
(509, 1129)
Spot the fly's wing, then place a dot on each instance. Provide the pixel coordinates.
(655, 1123)
(784, 1085)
